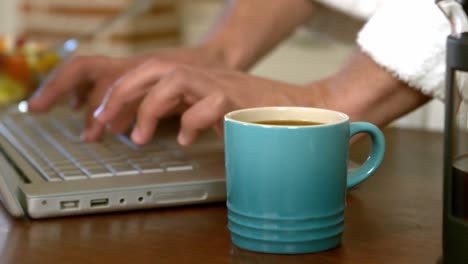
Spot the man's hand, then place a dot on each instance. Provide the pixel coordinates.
(88, 78)
(202, 96)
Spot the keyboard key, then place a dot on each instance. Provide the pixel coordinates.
(98, 172)
(123, 169)
(147, 168)
(88, 163)
(62, 163)
(177, 166)
(72, 175)
(137, 157)
(50, 175)
(162, 157)
(115, 159)
(141, 160)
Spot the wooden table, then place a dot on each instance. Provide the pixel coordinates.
(394, 217)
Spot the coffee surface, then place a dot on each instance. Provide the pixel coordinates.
(288, 123)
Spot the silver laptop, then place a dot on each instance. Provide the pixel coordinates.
(46, 171)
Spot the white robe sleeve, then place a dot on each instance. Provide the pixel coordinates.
(407, 37)
(360, 9)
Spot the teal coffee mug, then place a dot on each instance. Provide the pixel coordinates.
(287, 176)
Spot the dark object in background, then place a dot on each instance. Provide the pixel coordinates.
(455, 213)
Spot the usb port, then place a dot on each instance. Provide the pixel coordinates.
(99, 202)
(65, 205)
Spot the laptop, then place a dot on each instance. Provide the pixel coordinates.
(46, 171)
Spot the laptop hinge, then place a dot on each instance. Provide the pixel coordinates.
(10, 187)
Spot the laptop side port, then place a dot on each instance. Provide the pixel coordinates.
(66, 205)
(101, 202)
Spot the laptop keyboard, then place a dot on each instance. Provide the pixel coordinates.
(51, 143)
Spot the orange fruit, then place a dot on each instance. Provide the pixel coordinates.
(2, 61)
(16, 66)
(3, 44)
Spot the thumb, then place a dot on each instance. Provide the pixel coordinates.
(202, 115)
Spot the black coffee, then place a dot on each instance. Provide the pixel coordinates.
(288, 123)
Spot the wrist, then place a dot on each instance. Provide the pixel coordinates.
(366, 91)
(318, 94)
(222, 55)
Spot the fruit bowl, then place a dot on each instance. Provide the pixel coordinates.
(24, 64)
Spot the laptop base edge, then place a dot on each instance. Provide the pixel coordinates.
(144, 197)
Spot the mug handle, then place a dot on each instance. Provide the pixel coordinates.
(376, 156)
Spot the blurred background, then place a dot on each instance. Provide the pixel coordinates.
(302, 58)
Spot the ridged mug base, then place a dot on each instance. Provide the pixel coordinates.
(286, 247)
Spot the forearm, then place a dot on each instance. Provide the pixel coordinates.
(368, 92)
(247, 29)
